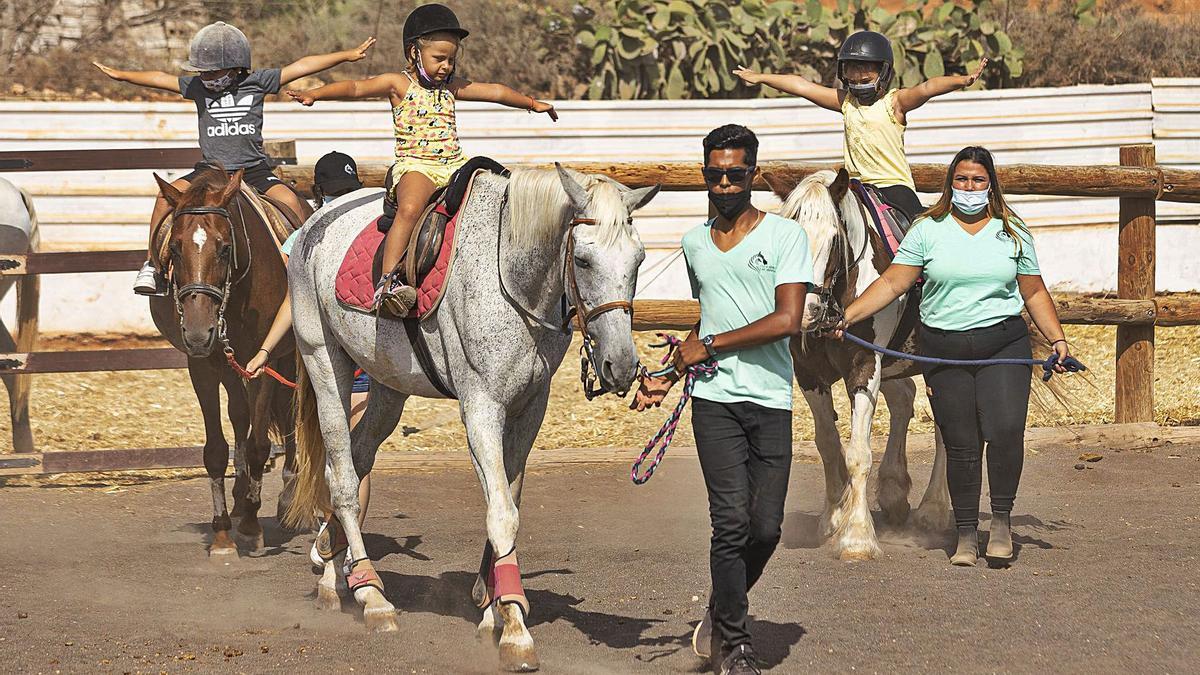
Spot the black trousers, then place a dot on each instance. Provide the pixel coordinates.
(902, 197)
(977, 405)
(745, 453)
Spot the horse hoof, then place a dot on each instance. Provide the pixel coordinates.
(934, 520)
(859, 553)
(328, 599)
(223, 553)
(518, 658)
(251, 540)
(380, 620)
(489, 630)
(222, 546)
(897, 515)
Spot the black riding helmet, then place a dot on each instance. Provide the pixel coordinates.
(870, 47)
(431, 18)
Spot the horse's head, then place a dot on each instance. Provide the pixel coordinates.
(818, 204)
(602, 253)
(202, 253)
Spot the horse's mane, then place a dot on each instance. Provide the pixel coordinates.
(539, 207)
(210, 178)
(811, 205)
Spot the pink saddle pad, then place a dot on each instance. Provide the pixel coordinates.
(354, 285)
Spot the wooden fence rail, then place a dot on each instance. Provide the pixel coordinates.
(1138, 183)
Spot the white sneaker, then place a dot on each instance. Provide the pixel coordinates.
(149, 281)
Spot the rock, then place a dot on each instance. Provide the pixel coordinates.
(22, 615)
(1091, 457)
(1080, 467)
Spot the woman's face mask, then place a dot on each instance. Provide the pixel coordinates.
(970, 202)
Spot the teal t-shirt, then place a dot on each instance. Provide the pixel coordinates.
(970, 280)
(736, 288)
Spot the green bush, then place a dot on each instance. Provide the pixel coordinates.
(687, 48)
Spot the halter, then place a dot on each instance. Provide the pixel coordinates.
(583, 316)
(831, 309)
(218, 294)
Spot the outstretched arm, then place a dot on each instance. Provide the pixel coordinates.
(380, 86)
(155, 79)
(504, 95)
(915, 97)
(310, 65)
(826, 97)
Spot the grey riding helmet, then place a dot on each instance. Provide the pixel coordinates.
(870, 47)
(218, 46)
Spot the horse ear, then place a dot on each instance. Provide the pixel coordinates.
(839, 186)
(232, 187)
(168, 191)
(778, 184)
(575, 192)
(636, 199)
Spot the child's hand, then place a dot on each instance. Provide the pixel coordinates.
(748, 76)
(975, 76)
(543, 107)
(111, 72)
(301, 97)
(358, 53)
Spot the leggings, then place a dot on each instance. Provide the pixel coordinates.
(977, 405)
(902, 197)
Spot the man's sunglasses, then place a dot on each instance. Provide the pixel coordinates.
(736, 175)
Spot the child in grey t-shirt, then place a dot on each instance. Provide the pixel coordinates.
(229, 105)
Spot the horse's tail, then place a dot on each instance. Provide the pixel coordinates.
(312, 491)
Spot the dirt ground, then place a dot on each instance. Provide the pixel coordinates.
(113, 577)
(96, 411)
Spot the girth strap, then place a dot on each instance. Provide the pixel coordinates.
(413, 328)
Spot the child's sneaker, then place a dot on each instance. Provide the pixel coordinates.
(394, 298)
(149, 281)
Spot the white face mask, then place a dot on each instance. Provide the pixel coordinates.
(969, 202)
(219, 83)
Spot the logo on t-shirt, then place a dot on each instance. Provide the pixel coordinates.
(758, 262)
(229, 111)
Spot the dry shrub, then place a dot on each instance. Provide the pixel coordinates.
(1125, 44)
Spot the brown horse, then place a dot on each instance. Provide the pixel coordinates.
(227, 282)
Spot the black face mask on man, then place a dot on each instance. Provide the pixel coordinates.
(730, 204)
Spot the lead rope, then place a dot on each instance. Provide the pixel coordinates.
(667, 432)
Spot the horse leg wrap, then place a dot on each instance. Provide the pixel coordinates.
(363, 574)
(506, 586)
(332, 540)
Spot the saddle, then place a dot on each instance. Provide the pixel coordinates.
(890, 222)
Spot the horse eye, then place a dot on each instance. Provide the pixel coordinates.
(580, 262)
(226, 249)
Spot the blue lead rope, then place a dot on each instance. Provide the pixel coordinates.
(1070, 363)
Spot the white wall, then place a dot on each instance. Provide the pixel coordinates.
(1076, 125)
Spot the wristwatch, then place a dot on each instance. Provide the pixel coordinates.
(707, 341)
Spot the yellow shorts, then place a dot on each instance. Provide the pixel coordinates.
(436, 172)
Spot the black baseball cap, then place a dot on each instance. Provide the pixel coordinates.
(336, 174)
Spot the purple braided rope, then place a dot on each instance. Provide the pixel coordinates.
(667, 432)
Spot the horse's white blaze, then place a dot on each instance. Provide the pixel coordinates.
(199, 237)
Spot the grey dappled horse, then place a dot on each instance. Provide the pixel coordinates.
(495, 341)
(19, 235)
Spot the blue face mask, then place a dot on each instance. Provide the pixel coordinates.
(969, 202)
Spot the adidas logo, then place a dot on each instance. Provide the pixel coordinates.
(226, 109)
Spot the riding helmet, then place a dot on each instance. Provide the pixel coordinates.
(431, 18)
(218, 46)
(871, 47)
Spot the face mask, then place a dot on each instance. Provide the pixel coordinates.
(427, 81)
(730, 205)
(969, 202)
(219, 83)
(865, 94)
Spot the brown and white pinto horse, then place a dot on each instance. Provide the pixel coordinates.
(848, 255)
(227, 281)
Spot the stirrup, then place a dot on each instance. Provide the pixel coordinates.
(393, 297)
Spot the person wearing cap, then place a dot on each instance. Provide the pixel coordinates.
(335, 174)
(427, 145)
(875, 116)
(229, 104)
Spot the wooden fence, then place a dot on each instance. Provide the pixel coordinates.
(1138, 182)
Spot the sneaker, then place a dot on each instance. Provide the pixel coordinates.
(149, 281)
(394, 298)
(741, 661)
(702, 636)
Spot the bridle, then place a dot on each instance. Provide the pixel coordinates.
(831, 310)
(220, 294)
(583, 316)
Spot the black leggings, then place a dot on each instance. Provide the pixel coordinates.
(974, 405)
(902, 197)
